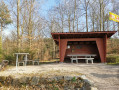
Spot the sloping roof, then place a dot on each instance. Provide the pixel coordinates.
(70, 35)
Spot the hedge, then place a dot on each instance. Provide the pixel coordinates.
(112, 59)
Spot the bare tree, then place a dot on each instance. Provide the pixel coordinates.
(85, 6)
(74, 15)
(93, 14)
(18, 31)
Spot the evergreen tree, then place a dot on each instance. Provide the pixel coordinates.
(4, 20)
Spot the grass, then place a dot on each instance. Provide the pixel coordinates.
(53, 60)
(49, 61)
(112, 63)
(112, 59)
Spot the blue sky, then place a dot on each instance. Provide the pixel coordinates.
(47, 4)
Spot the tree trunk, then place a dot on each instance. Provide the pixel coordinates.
(41, 49)
(86, 8)
(107, 26)
(18, 31)
(77, 24)
(101, 15)
(93, 22)
(118, 28)
(1, 43)
(30, 25)
(22, 29)
(74, 17)
(69, 23)
(54, 56)
(93, 26)
(86, 20)
(103, 19)
(62, 23)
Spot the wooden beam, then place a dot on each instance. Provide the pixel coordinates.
(105, 46)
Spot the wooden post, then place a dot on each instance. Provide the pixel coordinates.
(105, 46)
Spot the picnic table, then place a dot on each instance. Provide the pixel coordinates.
(87, 57)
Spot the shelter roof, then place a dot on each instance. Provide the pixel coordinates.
(72, 35)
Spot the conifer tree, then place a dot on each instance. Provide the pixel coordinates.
(4, 20)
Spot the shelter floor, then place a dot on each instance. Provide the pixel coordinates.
(105, 77)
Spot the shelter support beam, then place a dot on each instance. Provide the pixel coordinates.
(63, 50)
(100, 46)
(105, 46)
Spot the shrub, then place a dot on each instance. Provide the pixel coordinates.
(10, 58)
(112, 59)
(31, 53)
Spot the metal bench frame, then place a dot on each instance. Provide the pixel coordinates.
(86, 59)
(21, 62)
(36, 61)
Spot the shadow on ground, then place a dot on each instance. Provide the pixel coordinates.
(105, 75)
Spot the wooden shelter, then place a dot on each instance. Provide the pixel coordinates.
(82, 43)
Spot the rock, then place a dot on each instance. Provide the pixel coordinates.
(63, 82)
(16, 82)
(66, 87)
(77, 89)
(83, 77)
(59, 77)
(41, 79)
(35, 80)
(55, 78)
(24, 80)
(50, 79)
(68, 78)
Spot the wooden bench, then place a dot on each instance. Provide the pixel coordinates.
(87, 60)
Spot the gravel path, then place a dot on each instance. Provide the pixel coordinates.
(105, 77)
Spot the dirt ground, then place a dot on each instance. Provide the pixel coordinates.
(104, 77)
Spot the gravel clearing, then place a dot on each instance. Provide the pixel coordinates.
(105, 77)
